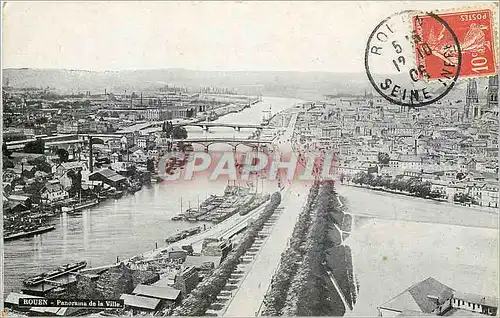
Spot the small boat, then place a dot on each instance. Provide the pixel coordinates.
(177, 218)
(116, 194)
(80, 206)
(182, 235)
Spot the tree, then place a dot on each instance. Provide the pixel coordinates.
(179, 133)
(383, 158)
(34, 190)
(6, 152)
(63, 154)
(37, 146)
(6, 163)
(150, 165)
(76, 181)
(44, 166)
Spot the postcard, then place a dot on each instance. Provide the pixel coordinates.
(250, 158)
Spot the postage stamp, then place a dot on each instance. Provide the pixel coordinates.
(475, 30)
(395, 72)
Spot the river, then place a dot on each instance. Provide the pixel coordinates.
(391, 255)
(128, 226)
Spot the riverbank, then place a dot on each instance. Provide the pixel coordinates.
(384, 205)
(420, 243)
(145, 216)
(408, 194)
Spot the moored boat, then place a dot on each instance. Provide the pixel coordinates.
(23, 234)
(80, 206)
(64, 269)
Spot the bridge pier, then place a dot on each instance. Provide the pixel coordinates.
(206, 149)
(205, 128)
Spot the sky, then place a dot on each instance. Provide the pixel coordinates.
(226, 36)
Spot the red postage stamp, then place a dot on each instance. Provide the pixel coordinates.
(436, 45)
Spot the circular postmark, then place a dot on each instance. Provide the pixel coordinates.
(413, 59)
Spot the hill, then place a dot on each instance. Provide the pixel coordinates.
(287, 84)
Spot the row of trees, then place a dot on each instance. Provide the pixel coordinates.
(276, 297)
(36, 146)
(206, 292)
(309, 293)
(412, 185)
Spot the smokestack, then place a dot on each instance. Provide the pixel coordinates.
(105, 92)
(141, 99)
(91, 155)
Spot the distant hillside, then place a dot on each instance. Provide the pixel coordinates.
(305, 85)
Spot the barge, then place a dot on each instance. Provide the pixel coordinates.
(28, 233)
(80, 206)
(61, 270)
(182, 235)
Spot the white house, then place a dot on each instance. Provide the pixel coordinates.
(53, 191)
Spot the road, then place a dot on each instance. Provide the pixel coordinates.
(248, 298)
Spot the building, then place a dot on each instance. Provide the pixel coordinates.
(489, 195)
(475, 303)
(187, 280)
(215, 247)
(471, 99)
(53, 191)
(21, 199)
(168, 296)
(140, 303)
(428, 297)
(109, 177)
(61, 171)
(176, 253)
(493, 93)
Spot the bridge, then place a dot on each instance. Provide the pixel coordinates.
(233, 142)
(62, 139)
(186, 123)
(207, 125)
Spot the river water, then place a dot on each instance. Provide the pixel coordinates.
(455, 245)
(128, 226)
